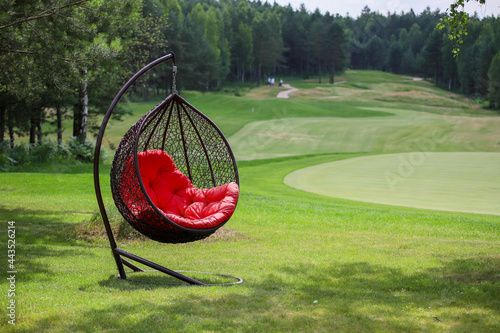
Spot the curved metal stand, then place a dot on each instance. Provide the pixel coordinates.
(120, 255)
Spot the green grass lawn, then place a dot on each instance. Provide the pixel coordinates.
(310, 263)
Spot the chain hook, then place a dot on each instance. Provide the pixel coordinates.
(174, 83)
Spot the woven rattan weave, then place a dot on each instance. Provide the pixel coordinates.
(198, 149)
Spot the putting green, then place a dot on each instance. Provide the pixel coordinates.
(466, 182)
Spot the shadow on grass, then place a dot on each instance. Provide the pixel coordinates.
(461, 295)
(40, 217)
(40, 234)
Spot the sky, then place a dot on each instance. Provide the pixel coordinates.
(354, 7)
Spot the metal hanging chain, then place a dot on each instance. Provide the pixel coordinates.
(174, 84)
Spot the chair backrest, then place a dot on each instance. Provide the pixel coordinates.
(197, 147)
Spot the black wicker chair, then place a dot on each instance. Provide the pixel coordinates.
(197, 147)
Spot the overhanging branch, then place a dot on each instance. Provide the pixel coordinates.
(46, 13)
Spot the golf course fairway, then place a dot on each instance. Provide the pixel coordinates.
(456, 181)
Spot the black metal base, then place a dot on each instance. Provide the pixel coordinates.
(157, 268)
(237, 280)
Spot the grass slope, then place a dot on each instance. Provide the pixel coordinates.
(389, 110)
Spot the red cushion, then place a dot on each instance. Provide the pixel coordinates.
(177, 198)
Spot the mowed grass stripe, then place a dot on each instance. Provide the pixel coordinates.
(466, 182)
(404, 131)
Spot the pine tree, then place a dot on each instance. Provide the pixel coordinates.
(494, 82)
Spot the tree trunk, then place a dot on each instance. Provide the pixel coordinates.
(237, 69)
(81, 111)
(33, 130)
(319, 68)
(260, 73)
(10, 126)
(2, 123)
(59, 125)
(332, 72)
(436, 76)
(11, 135)
(39, 133)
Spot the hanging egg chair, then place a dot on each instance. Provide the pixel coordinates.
(173, 178)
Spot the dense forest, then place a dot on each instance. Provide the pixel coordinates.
(68, 58)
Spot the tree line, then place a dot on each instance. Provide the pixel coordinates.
(62, 58)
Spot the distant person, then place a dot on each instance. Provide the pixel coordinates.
(269, 81)
(272, 82)
(281, 82)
